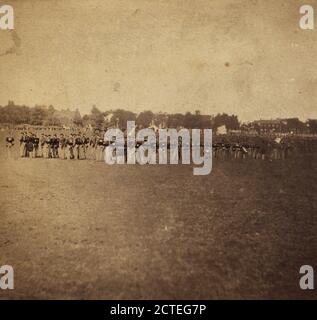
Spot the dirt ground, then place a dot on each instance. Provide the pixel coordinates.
(87, 230)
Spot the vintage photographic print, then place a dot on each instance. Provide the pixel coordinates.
(158, 150)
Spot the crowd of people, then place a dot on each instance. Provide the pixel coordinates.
(79, 146)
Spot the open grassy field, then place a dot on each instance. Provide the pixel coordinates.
(83, 229)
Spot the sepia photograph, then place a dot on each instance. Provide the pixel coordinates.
(158, 150)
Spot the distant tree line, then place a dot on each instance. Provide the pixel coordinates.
(49, 116)
(38, 115)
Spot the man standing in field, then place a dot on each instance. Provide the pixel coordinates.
(69, 147)
(29, 146)
(54, 146)
(47, 146)
(62, 147)
(9, 145)
(22, 144)
(36, 142)
(99, 148)
(85, 145)
(93, 145)
(78, 148)
(41, 145)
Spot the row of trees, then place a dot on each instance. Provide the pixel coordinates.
(43, 115)
(49, 116)
(312, 125)
(38, 115)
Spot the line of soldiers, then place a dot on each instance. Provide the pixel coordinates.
(74, 146)
(256, 148)
(81, 146)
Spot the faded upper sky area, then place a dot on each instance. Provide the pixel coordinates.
(246, 57)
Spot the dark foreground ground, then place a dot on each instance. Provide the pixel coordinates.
(88, 230)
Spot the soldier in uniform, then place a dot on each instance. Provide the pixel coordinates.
(41, 145)
(54, 146)
(263, 149)
(93, 146)
(22, 144)
(257, 147)
(29, 146)
(78, 147)
(9, 145)
(62, 147)
(47, 147)
(244, 148)
(36, 142)
(70, 147)
(85, 146)
(99, 148)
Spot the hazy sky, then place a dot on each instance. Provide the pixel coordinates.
(246, 57)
